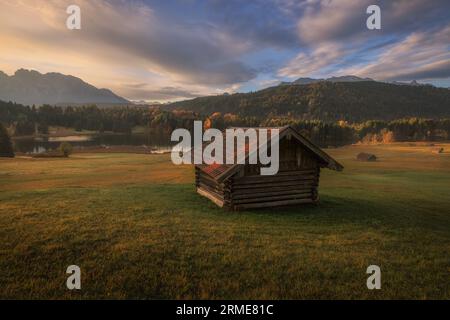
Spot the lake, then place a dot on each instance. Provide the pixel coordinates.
(39, 145)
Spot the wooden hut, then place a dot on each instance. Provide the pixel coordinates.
(241, 186)
(366, 157)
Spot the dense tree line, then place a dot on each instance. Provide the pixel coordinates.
(322, 133)
(30, 120)
(342, 133)
(26, 120)
(6, 147)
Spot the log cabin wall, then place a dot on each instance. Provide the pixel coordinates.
(296, 182)
(218, 192)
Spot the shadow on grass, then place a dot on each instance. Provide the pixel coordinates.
(331, 209)
(356, 208)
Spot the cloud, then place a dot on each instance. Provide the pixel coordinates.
(144, 92)
(314, 62)
(413, 42)
(199, 53)
(345, 20)
(259, 23)
(420, 56)
(332, 20)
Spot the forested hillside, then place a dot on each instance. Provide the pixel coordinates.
(330, 101)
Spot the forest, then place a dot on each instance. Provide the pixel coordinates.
(26, 121)
(330, 101)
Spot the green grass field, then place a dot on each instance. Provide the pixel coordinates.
(137, 229)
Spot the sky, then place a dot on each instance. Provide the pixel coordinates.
(174, 50)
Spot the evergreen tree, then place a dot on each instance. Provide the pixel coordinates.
(6, 148)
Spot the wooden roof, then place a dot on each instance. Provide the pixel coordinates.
(222, 171)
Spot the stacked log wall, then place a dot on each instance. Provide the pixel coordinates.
(285, 188)
(219, 192)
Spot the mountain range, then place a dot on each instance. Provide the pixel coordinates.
(332, 79)
(31, 87)
(348, 78)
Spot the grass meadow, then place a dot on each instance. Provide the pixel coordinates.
(138, 230)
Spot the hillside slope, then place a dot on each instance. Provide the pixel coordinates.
(330, 101)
